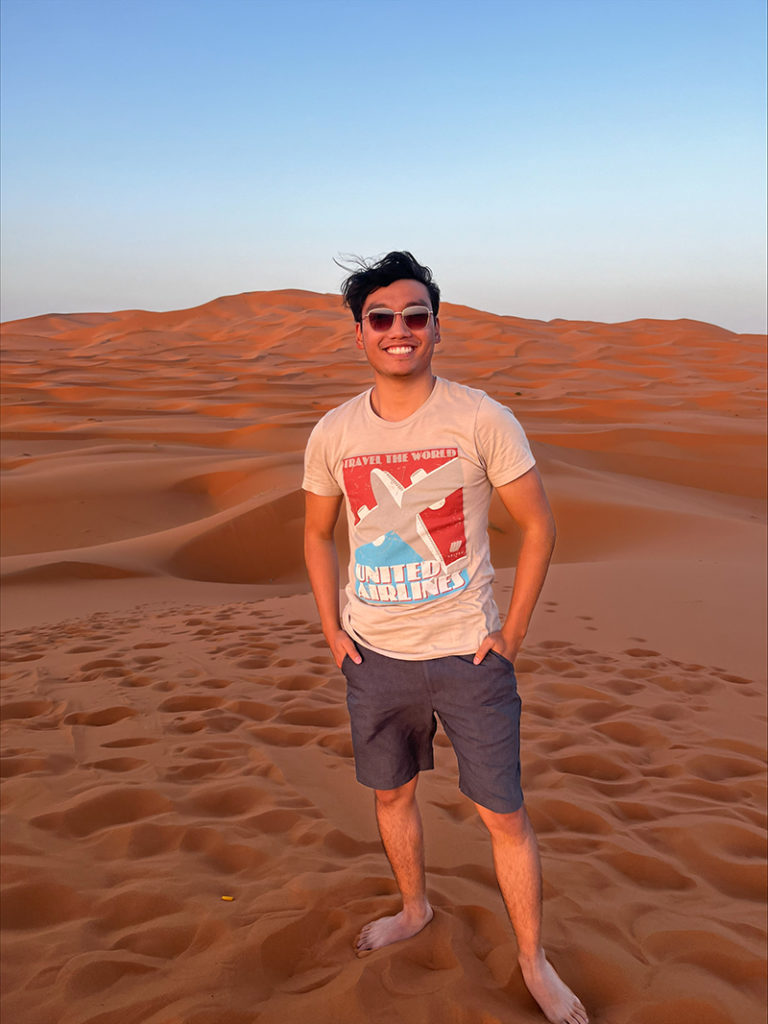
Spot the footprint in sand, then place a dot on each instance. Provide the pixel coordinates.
(647, 872)
(117, 764)
(25, 709)
(339, 744)
(132, 906)
(40, 904)
(718, 768)
(195, 772)
(109, 806)
(137, 681)
(226, 802)
(133, 741)
(169, 940)
(592, 766)
(190, 702)
(13, 765)
(91, 666)
(215, 684)
(292, 953)
(254, 662)
(89, 973)
(300, 682)
(106, 716)
(321, 717)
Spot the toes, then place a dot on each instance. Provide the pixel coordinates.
(365, 939)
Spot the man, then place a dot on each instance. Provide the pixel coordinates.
(416, 458)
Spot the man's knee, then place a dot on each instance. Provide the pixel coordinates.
(400, 795)
(514, 825)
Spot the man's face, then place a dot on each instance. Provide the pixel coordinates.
(399, 351)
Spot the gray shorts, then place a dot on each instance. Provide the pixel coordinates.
(392, 706)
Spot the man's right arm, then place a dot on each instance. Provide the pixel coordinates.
(323, 568)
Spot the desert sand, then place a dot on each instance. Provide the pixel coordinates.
(174, 729)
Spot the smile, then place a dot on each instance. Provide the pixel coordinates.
(400, 350)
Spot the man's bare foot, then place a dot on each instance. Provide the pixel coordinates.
(392, 929)
(558, 1004)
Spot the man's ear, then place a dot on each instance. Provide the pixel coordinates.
(359, 335)
(437, 331)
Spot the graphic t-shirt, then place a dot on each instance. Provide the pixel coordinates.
(417, 496)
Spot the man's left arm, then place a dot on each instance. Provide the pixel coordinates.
(527, 504)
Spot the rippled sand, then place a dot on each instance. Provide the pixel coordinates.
(174, 730)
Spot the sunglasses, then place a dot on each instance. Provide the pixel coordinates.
(415, 318)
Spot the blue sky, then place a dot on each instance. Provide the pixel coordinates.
(586, 159)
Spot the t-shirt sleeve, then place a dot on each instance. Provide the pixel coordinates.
(318, 476)
(501, 443)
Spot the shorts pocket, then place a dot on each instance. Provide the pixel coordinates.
(501, 658)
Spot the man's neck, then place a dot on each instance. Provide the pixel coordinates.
(395, 400)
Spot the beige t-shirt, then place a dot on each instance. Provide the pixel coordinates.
(417, 495)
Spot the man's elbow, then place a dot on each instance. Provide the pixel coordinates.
(315, 537)
(551, 532)
(543, 530)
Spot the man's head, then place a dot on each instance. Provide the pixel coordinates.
(395, 266)
(394, 302)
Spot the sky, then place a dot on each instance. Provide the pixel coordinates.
(585, 159)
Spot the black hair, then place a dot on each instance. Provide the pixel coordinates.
(395, 266)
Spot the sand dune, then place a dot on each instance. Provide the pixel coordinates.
(174, 730)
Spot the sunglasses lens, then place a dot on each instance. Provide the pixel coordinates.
(416, 320)
(381, 320)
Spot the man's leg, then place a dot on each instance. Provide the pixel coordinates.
(399, 821)
(518, 870)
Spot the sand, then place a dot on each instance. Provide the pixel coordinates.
(174, 729)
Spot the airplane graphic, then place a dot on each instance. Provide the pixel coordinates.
(399, 508)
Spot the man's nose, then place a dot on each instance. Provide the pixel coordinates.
(399, 326)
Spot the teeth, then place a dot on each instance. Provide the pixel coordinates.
(400, 350)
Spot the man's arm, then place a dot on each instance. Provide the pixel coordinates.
(527, 504)
(323, 568)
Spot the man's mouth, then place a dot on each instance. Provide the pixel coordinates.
(400, 350)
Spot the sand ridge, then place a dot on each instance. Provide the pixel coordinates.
(174, 730)
(140, 430)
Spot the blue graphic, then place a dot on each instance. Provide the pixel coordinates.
(392, 551)
(392, 572)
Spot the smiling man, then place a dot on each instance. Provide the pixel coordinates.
(416, 458)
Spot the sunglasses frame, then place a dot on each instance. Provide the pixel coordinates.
(420, 309)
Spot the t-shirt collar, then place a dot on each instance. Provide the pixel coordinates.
(395, 424)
